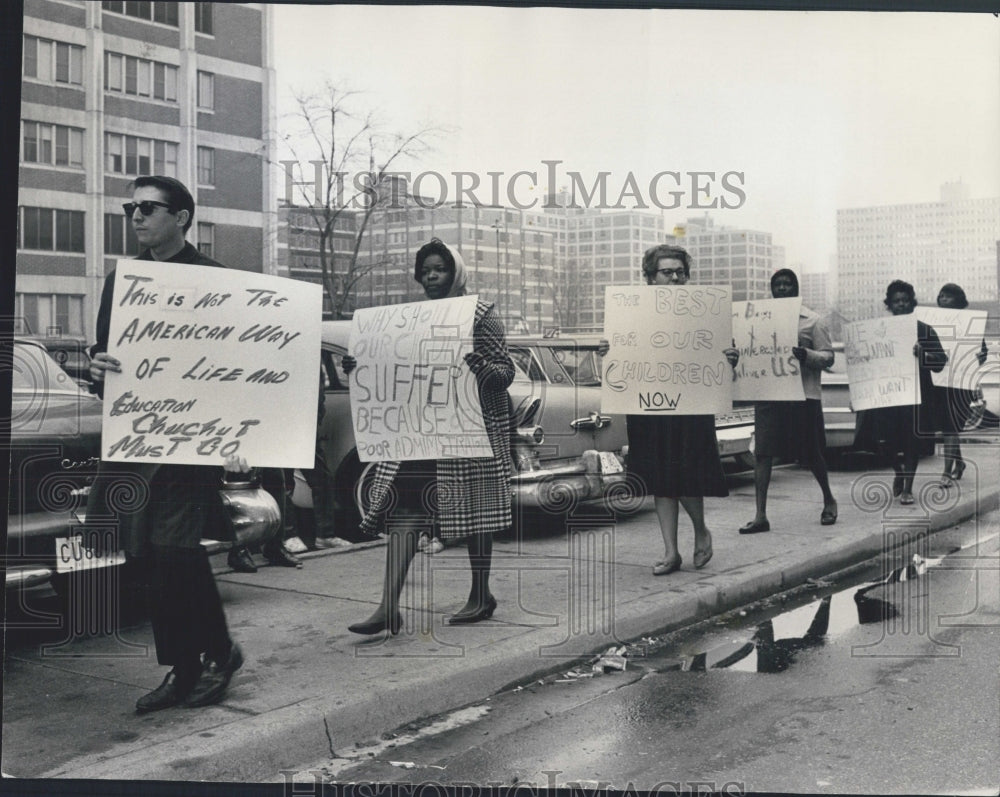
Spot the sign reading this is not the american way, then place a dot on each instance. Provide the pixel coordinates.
(214, 362)
(666, 353)
(412, 394)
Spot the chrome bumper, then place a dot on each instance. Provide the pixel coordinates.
(559, 487)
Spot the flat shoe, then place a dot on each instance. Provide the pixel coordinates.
(377, 625)
(666, 566)
(906, 498)
(829, 515)
(897, 486)
(753, 527)
(703, 557)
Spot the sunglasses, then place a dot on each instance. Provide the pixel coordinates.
(147, 207)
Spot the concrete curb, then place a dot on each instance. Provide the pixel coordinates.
(257, 746)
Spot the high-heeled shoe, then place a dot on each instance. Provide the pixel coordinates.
(376, 625)
(958, 469)
(482, 613)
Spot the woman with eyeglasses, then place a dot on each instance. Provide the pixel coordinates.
(464, 498)
(676, 457)
(905, 433)
(955, 404)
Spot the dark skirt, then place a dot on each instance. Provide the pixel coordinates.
(892, 430)
(954, 408)
(792, 430)
(677, 456)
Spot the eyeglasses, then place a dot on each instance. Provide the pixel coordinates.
(671, 272)
(147, 207)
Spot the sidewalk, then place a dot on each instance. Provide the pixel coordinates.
(310, 687)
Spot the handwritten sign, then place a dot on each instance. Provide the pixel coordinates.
(961, 333)
(766, 331)
(881, 368)
(666, 354)
(412, 394)
(214, 362)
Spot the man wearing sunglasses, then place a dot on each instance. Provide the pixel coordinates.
(162, 538)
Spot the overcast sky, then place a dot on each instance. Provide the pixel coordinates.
(819, 110)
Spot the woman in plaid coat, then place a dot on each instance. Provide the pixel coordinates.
(466, 498)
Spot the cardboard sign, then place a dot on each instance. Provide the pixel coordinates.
(961, 333)
(766, 331)
(215, 362)
(881, 368)
(412, 394)
(666, 354)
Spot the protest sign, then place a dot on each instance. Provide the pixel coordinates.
(881, 368)
(766, 331)
(412, 394)
(961, 333)
(215, 362)
(666, 350)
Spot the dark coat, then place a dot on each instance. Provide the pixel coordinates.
(149, 503)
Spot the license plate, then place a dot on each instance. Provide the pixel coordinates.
(609, 462)
(73, 556)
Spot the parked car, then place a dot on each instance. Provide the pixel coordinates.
(564, 449)
(839, 418)
(55, 449)
(70, 353)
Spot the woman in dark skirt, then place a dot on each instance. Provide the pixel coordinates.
(676, 458)
(905, 433)
(954, 405)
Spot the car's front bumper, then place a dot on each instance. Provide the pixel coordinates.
(559, 486)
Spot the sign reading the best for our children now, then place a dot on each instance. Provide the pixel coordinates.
(961, 333)
(881, 368)
(766, 331)
(412, 394)
(214, 362)
(666, 350)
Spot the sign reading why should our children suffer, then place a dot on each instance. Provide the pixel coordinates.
(214, 362)
(766, 331)
(666, 350)
(881, 368)
(961, 333)
(412, 394)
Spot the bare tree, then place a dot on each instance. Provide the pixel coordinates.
(353, 159)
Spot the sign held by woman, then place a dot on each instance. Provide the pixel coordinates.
(765, 332)
(412, 394)
(666, 351)
(881, 368)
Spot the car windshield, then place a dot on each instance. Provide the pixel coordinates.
(34, 369)
(581, 364)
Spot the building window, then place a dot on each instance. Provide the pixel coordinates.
(52, 61)
(206, 91)
(49, 314)
(206, 238)
(163, 12)
(119, 237)
(125, 74)
(206, 166)
(132, 156)
(38, 141)
(51, 230)
(203, 22)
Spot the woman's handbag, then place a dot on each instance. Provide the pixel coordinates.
(252, 515)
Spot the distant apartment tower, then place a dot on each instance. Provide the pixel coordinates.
(814, 289)
(743, 259)
(112, 90)
(926, 244)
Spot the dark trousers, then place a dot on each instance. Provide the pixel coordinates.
(185, 608)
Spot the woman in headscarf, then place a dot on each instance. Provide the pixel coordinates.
(905, 433)
(465, 498)
(954, 404)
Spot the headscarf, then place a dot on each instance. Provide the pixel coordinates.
(458, 283)
(785, 272)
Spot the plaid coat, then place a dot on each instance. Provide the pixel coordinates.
(473, 495)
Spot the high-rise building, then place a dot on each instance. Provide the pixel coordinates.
(814, 288)
(741, 258)
(113, 90)
(926, 244)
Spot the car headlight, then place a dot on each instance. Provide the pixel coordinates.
(532, 435)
